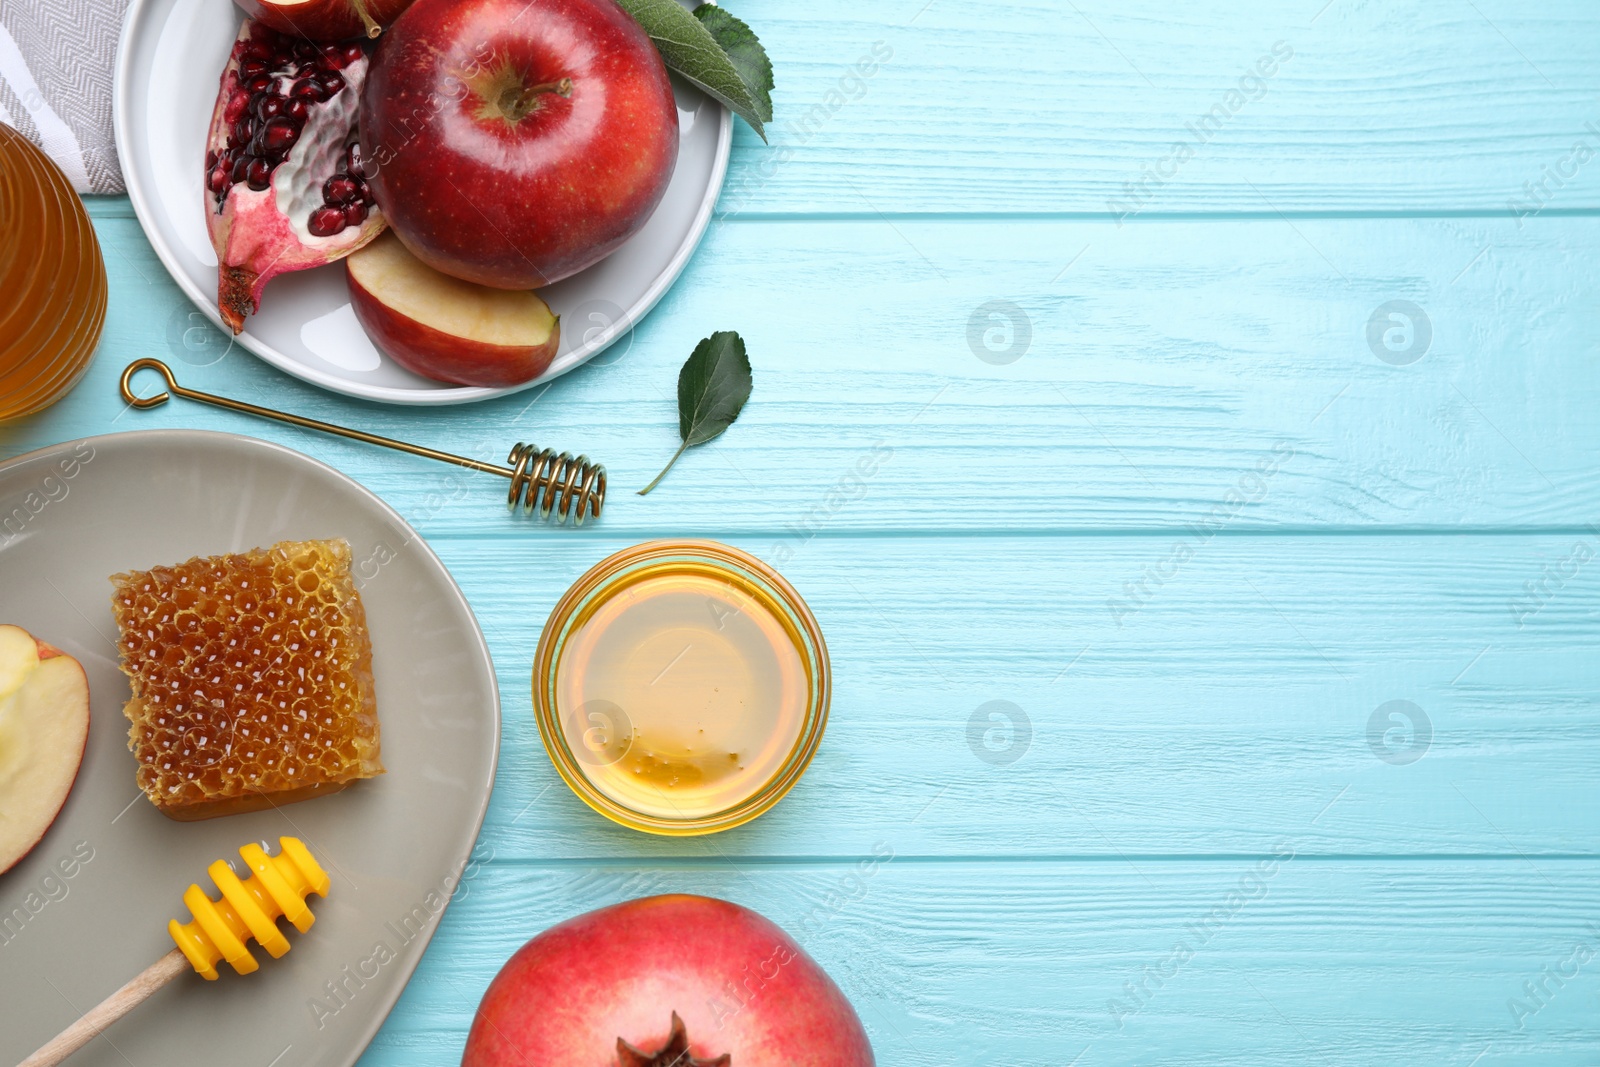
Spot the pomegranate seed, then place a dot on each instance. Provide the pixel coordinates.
(352, 52)
(266, 105)
(326, 221)
(296, 110)
(243, 130)
(278, 135)
(340, 189)
(218, 181)
(237, 105)
(256, 50)
(211, 158)
(251, 67)
(259, 174)
(355, 214)
(331, 81)
(304, 50)
(305, 89)
(258, 83)
(239, 169)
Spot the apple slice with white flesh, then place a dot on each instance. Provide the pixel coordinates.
(447, 329)
(44, 725)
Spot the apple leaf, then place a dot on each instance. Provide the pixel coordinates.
(712, 388)
(742, 46)
(692, 52)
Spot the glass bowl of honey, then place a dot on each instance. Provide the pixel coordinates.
(681, 687)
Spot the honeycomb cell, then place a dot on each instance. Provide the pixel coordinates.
(252, 679)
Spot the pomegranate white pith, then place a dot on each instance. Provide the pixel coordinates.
(284, 189)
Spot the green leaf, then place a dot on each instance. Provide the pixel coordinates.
(691, 52)
(742, 46)
(712, 388)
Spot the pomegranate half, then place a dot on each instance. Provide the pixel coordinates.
(670, 981)
(284, 189)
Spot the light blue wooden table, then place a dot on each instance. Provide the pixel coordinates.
(1091, 287)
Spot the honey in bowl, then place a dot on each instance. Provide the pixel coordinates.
(681, 687)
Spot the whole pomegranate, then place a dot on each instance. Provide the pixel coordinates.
(283, 188)
(671, 981)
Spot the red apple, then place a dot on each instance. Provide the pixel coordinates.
(44, 725)
(447, 329)
(676, 980)
(325, 20)
(515, 142)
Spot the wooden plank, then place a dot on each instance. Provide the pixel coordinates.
(1224, 707)
(1290, 960)
(1164, 370)
(1039, 107)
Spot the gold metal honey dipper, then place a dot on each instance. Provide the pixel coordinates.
(562, 486)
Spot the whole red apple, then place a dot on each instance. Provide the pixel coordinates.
(515, 142)
(325, 20)
(678, 980)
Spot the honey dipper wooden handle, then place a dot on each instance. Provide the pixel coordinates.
(109, 1010)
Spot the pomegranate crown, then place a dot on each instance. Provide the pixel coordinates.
(675, 1053)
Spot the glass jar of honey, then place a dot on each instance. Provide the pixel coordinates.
(681, 687)
(52, 280)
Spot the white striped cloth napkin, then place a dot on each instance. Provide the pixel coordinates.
(56, 61)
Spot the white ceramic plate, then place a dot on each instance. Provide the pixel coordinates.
(168, 63)
(395, 846)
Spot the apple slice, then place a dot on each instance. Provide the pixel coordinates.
(445, 328)
(325, 20)
(44, 725)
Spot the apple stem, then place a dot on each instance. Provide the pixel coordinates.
(373, 29)
(562, 88)
(516, 104)
(665, 469)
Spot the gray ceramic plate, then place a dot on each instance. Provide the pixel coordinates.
(394, 846)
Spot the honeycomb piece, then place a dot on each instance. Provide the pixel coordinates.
(252, 679)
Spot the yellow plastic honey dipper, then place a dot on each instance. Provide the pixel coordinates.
(249, 909)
